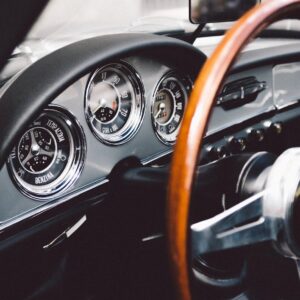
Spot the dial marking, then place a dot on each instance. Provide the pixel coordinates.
(177, 118)
(105, 130)
(125, 94)
(115, 80)
(124, 112)
(177, 94)
(115, 127)
(179, 106)
(103, 75)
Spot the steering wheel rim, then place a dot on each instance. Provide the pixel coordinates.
(207, 86)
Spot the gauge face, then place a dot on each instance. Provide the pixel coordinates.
(37, 149)
(163, 107)
(114, 103)
(168, 106)
(48, 155)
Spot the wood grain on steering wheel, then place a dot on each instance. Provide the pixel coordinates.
(200, 105)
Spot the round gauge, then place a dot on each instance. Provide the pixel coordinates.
(49, 155)
(114, 103)
(168, 106)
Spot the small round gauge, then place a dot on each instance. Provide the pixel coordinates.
(168, 106)
(114, 103)
(49, 155)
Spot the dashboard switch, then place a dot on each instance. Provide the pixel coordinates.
(237, 145)
(256, 135)
(221, 152)
(254, 88)
(275, 128)
(215, 153)
(240, 92)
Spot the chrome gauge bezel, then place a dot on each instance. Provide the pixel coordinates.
(186, 85)
(135, 118)
(71, 170)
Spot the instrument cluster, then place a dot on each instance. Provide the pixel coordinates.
(50, 155)
(115, 103)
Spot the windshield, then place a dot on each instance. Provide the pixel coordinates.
(66, 18)
(74, 19)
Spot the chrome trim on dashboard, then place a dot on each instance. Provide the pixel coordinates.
(54, 202)
(49, 205)
(152, 237)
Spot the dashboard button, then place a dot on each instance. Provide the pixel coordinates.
(275, 128)
(256, 135)
(237, 145)
(221, 152)
(215, 153)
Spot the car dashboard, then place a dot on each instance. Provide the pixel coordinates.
(133, 106)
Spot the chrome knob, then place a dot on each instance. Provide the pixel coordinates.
(237, 145)
(256, 135)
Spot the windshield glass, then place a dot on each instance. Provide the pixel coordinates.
(74, 19)
(66, 18)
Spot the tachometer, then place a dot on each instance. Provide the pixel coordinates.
(168, 106)
(49, 155)
(114, 103)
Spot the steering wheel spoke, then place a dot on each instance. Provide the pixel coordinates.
(241, 225)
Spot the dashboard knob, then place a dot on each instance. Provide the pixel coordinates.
(215, 153)
(275, 128)
(257, 135)
(237, 145)
(221, 152)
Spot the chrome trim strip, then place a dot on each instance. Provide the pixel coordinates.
(153, 158)
(152, 237)
(67, 197)
(49, 205)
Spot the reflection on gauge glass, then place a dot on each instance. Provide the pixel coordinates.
(114, 103)
(168, 106)
(49, 155)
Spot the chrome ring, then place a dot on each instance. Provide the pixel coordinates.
(170, 139)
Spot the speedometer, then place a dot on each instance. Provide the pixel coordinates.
(168, 106)
(49, 155)
(114, 103)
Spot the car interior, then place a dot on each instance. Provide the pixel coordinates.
(150, 149)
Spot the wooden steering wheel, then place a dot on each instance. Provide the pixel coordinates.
(207, 87)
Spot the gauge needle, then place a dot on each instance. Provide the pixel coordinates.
(102, 104)
(34, 145)
(161, 108)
